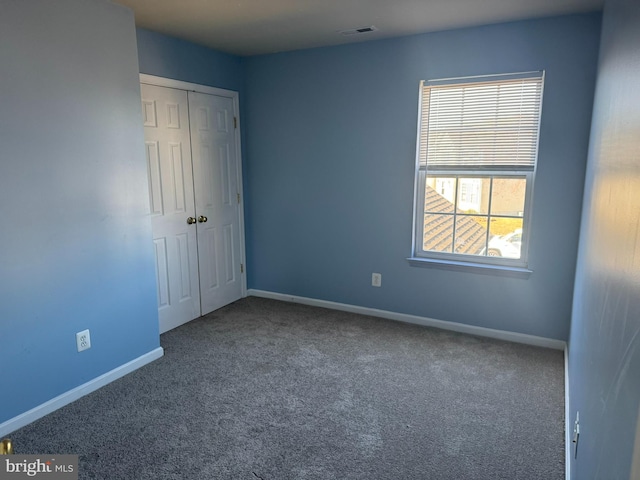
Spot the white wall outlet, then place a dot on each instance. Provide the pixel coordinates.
(376, 279)
(83, 340)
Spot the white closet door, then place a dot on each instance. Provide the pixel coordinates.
(216, 182)
(168, 149)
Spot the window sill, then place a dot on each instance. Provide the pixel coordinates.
(470, 267)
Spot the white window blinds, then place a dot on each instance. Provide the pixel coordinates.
(480, 125)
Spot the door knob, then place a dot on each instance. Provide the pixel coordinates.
(191, 220)
(202, 219)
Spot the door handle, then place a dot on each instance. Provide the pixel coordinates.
(191, 220)
(202, 219)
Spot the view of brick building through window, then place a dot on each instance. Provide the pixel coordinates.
(473, 205)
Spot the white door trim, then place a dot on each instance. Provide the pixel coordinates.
(194, 87)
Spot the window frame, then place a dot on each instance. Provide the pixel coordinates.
(418, 228)
(462, 261)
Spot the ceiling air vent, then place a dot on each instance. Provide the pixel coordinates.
(358, 31)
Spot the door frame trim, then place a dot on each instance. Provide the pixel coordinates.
(221, 92)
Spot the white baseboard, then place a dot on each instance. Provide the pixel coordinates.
(568, 428)
(66, 398)
(427, 322)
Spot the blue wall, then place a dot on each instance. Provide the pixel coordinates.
(76, 235)
(170, 57)
(330, 154)
(604, 349)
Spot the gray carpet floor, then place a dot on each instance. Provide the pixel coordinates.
(268, 390)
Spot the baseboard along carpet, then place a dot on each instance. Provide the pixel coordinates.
(264, 389)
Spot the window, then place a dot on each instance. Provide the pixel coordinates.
(477, 152)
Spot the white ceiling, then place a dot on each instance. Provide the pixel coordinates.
(252, 27)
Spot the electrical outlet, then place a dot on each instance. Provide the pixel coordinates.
(83, 340)
(376, 279)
